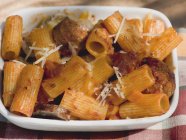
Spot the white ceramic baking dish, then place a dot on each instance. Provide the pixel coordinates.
(105, 125)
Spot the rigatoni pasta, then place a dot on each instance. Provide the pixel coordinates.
(160, 100)
(84, 107)
(133, 82)
(95, 76)
(130, 35)
(162, 46)
(144, 105)
(99, 43)
(113, 112)
(152, 27)
(101, 75)
(27, 90)
(12, 72)
(74, 70)
(112, 23)
(12, 37)
(42, 38)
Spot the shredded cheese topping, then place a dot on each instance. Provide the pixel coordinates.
(118, 88)
(89, 67)
(43, 63)
(47, 54)
(16, 61)
(104, 93)
(73, 48)
(39, 49)
(151, 35)
(119, 30)
(118, 91)
(122, 52)
(29, 52)
(118, 74)
(113, 35)
(65, 60)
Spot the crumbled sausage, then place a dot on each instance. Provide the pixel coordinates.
(164, 77)
(126, 62)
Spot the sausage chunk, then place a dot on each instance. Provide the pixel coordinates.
(52, 111)
(126, 62)
(164, 77)
(68, 31)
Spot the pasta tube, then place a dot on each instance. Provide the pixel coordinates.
(162, 46)
(12, 37)
(138, 80)
(85, 85)
(74, 70)
(99, 43)
(27, 90)
(96, 76)
(42, 38)
(145, 99)
(152, 27)
(12, 72)
(112, 23)
(83, 107)
(130, 39)
(112, 113)
(130, 36)
(144, 105)
(101, 70)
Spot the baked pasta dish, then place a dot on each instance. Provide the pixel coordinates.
(70, 66)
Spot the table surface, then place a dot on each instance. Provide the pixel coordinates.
(174, 9)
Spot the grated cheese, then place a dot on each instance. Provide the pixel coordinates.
(118, 74)
(151, 35)
(147, 43)
(30, 51)
(97, 88)
(113, 35)
(118, 88)
(39, 49)
(119, 30)
(89, 67)
(43, 63)
(28, 54)
(16, 61)
(128, 118)
(122, 52)
(72, 48)
(40, 53)
(118, 91)
(47, 54)
(65, 60)
(104, 93)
